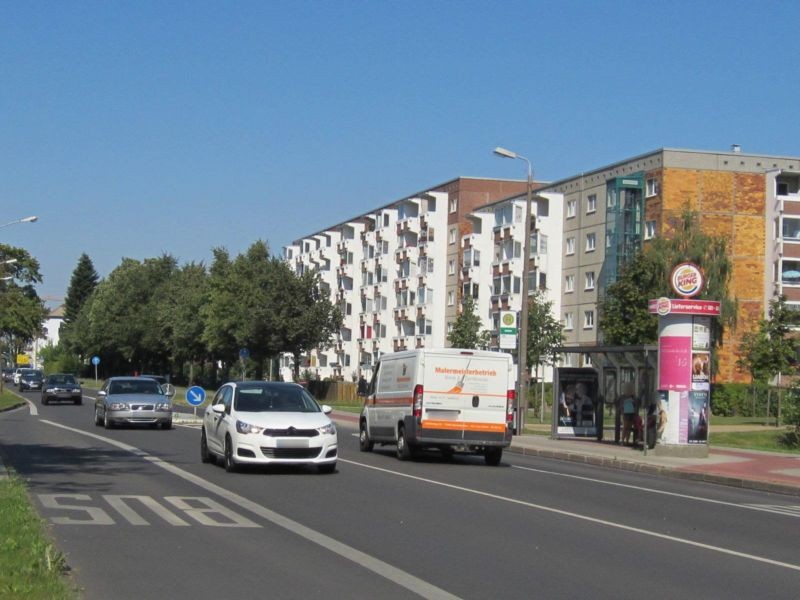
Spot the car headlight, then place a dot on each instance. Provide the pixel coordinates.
(329, 429)
(48, 390)
(162, 406)
(243, 427)
(118, 406)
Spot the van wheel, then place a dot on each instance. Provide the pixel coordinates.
(364, 443)
(404, 450)
(492, 456)
(447, 452)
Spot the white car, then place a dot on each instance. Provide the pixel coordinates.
(265, 422)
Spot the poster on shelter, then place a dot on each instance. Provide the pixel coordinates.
(701, 333)
(698, 417)
(674, 362)
(700, 370)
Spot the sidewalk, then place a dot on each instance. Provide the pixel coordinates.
(749, 469)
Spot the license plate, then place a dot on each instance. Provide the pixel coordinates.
(288, 443)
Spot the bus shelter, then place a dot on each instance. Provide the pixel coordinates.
(588, 401)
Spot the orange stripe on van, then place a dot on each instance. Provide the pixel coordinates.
(465, 426)
(456, 393)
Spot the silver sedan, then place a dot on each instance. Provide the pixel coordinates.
(133, 401)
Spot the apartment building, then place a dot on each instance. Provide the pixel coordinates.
(611, 212)
(394, 271)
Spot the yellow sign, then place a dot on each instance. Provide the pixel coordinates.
(23, 359)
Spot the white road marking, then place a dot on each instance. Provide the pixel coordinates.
(33, 409)
(762, 508)
(120, 504)
(377, 566)
(792, 511)
(572, 515)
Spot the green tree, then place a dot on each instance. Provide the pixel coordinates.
(624, 316)
(81, 285)
(308, 318)
(544, 331)
(466, 332)
(770, 349)
(23, 312)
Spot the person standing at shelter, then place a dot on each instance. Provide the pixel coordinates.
(628, 404)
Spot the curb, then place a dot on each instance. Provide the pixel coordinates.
(627, 465)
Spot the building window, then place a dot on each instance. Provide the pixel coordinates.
(569, 284)
(591, 203)
(451, 267)
(451, 298)
(452, 235)
(568, 321)
(649, 230)
(588, 319)
(652, 187)
(591, 242)
(453, 205)
(570, 246)
(571, 208)
(589, 280)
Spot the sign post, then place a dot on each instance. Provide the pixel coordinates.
(95, 362)
(244, 354)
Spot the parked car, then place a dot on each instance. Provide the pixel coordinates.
(61, 386)
(132, 401)
(17, 374)
(8, 374)
(266, 422)
(30, 379)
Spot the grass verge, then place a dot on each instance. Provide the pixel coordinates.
(30, 567)
(9, 400)
(774, 440)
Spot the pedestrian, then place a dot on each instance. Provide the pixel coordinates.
(362, 386)
(628, 405)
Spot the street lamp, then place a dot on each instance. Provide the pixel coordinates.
(24, 220)
(522, 348)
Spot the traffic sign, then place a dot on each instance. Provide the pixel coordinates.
(244, 353)
(95, 360)
(195, 395)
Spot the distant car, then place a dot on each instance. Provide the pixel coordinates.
(265, 422)
(30, 379)
(17, 373)
(8, 375)
(61, 386)
(132, 401)
(159, 378)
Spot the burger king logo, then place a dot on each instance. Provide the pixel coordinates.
(687, 279)
(663, 306)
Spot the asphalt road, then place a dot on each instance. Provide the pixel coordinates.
(139, 516)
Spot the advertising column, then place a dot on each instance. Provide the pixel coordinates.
(684, 357)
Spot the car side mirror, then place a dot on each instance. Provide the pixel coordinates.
(218, 408)
(101, 393)
(326, 409)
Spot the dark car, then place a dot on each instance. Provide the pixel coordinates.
(30, 379)
(8, 375)
(61, 386)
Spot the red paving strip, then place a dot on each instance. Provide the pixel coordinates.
(760, 467)
(345, 416)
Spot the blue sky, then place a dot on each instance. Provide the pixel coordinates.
(139, 128)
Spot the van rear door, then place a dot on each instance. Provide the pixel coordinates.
(465, 393)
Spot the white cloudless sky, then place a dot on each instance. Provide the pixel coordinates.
(134, 129)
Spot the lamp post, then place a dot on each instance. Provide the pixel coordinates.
(522, 346)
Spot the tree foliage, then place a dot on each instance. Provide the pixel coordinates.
(624, 316)
(81, 285)
(544, 331)
(466, 332)
(23, 312)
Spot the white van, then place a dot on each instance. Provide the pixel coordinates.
(449, 399)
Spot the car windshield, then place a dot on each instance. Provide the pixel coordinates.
(61, 380)
(32, 374)
(275, 399)
(134, 386)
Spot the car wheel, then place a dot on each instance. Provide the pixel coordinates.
(404, 451)
(492, 456)
(166, 424)
(79, 401)
(107, 423)
(364, 443)
(229, 462)
(97, 419)
(327, 468)
(205, 455)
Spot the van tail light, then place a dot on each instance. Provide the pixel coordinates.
(511, 396)
(417, 409)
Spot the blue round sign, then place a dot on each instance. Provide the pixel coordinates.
(244, 353)
(95, 360)
(195, 395)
